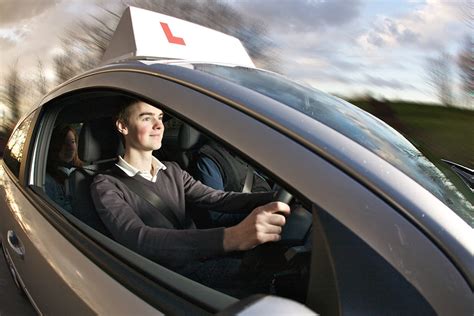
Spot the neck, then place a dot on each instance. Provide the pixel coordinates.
(139, 159)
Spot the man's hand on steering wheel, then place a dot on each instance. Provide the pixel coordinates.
(263, 224)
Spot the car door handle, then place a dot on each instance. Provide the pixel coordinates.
(15, 244)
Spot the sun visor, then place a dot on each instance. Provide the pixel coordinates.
(143, 33)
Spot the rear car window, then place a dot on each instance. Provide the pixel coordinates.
(14, 152)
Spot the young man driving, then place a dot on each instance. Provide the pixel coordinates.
(180, 246)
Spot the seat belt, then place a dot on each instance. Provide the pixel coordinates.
(151, 197)
(248, 180)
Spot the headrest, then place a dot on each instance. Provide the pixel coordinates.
(99, 140)
(188, 137)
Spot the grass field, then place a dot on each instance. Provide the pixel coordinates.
(438, 132)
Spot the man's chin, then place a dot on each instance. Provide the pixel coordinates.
(156, 147)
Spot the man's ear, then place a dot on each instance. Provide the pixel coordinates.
(121, 127)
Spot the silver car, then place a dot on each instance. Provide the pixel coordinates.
(375, 228)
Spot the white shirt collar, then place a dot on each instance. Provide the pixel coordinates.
(132, 171)
(67, 170)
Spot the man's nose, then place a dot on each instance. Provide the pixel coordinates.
(157, 124)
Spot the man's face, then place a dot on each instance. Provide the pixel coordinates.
(144, 129)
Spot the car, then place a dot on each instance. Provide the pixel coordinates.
(375, 227)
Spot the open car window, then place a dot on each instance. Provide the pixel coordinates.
(202, 156)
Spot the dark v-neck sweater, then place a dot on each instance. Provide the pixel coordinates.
(141, 227)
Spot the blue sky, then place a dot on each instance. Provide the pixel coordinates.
(346, 47)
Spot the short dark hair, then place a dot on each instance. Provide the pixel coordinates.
(123, 113)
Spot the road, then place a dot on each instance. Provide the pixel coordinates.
(12, 302)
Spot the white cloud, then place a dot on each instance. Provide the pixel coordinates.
(37, 31)
(312, 62)
(429, 26)
(14, 11)
(14, 34)
(306, 15)
(388, 32)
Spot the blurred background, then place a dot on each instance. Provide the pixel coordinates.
(408, 62)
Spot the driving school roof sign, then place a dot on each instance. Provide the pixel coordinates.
(143, 33)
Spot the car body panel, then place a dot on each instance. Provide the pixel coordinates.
(412, 230)
(70, 277)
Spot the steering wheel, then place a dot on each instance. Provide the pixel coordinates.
(294, 234)
(298, 222)
(281, 195)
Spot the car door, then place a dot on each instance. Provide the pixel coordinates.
(10, 172)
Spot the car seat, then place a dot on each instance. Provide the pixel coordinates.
(99, 147)
(189, 140)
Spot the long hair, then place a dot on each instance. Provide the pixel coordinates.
(57, 142)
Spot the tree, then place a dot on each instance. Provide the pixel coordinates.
(465, 63)
(41, 82)
(85, 42)
(66, 63)
(14, 89)
(439, 77)
(466, 12)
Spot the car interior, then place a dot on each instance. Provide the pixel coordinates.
(99, 144)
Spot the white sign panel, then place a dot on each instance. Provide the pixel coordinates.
(144, 33)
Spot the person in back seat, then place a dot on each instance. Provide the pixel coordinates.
(62, 160)
(167, 234)
(219, 169)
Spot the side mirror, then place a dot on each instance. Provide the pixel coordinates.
(266, 305)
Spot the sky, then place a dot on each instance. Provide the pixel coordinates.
(345, 47)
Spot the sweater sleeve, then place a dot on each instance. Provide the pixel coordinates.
(170, 247)
(206, 197)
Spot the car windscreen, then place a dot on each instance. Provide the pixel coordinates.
(354, 123)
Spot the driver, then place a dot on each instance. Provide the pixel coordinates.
(200, 254)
